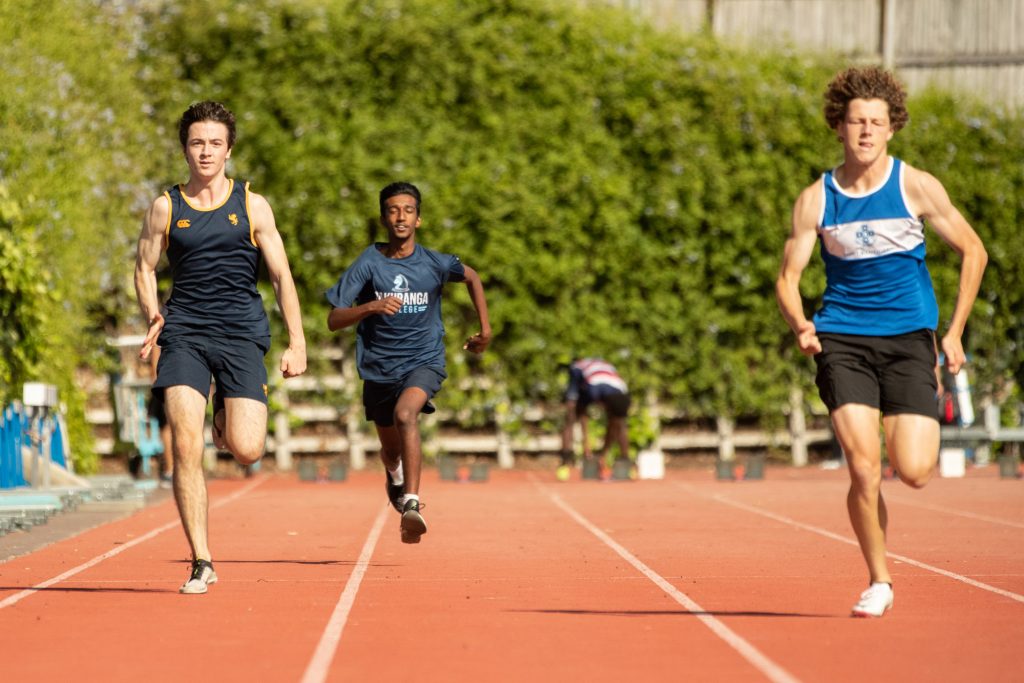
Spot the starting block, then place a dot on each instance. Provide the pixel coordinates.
(591, 469)
(725, 470)
(337, 471)
(622, 470)
(307, 469)
(479, 471)
(1008, 466)
(755, 467)
(310, 470)
(448, 468)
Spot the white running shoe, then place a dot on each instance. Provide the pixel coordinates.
(201, 576)
(875, 601)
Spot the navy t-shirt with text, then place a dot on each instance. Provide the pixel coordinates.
(389, 347)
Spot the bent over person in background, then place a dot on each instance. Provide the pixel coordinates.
(214, 230)
(873, 339)
(594, 380)
(393, 291)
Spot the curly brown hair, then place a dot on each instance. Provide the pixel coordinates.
(866, 83)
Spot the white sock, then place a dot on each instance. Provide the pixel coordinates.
(410, 496)
(398, 476)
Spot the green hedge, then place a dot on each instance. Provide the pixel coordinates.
(623, 192)
(74, 160)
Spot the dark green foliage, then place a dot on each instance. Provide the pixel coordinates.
(623, 192)
(73, 147)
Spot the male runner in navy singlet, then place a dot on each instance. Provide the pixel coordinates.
(215, 231)
(393, 292)
(873, 339)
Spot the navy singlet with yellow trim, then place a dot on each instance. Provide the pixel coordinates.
(214, 267)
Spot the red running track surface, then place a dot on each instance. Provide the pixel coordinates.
(524, 578)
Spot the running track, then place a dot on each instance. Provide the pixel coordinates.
(524, 578)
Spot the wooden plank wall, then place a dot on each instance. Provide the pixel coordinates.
(972, 47)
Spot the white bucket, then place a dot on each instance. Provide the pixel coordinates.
(650, 464)
(952, 462)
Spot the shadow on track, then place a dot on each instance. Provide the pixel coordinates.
(675, 613)
(84, 589)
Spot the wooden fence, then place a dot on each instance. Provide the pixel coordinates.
(321, 414)
(967, 46)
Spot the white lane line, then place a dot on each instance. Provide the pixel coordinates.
(319, 666)
(756, 658)
(21, 595)
(824, 532)
(950, 511)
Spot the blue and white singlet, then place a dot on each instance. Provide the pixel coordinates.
(877, 283)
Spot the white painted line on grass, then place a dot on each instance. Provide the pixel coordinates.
(21, 595)
(750, 653)
(824, 532)
(319, 666)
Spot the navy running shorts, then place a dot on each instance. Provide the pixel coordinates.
(893, 374)
(235, 364)
(156, 407)
(615, 402)
(380, 398)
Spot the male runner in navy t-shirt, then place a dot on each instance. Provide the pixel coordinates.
(393, 290)
(873, 340)
(215, 231)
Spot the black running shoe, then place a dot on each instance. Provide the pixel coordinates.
(413, 525)
(202, 575)
(395, 492)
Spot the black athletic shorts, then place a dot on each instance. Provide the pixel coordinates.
(156, 407)
(614, 401)
(235, 364)
(380, 398)
(894, 374)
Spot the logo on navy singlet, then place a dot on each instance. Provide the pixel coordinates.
(400, 284)
(865, 236)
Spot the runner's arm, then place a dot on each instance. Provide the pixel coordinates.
(930, 199)
(478, 342)
(340, 318)
(150, 247)
(796, 255)
(267, 237)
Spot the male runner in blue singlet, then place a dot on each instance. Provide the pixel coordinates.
(873, 339)
(393, 292)
(215, 231)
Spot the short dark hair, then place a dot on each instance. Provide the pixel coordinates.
(865, 83)
(206, 111)
(398, 188)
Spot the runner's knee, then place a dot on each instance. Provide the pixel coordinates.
(916, 477)
(865, 474)
(247, 451)
(248, 457)
(405, 418)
